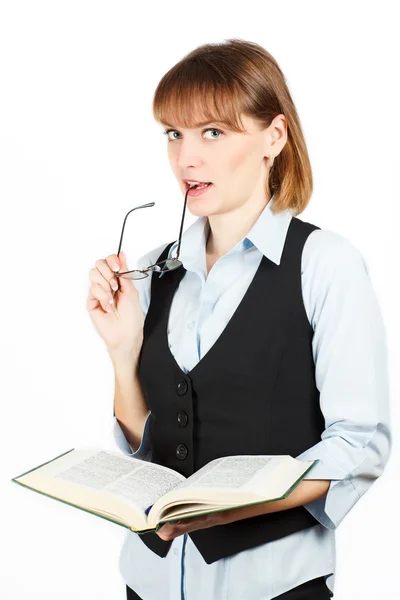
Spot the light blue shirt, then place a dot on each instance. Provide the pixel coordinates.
(351, 371)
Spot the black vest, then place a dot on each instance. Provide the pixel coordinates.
(253, 392)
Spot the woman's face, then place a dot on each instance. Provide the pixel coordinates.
(236, 163)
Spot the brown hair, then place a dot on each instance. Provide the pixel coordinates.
(221, 81)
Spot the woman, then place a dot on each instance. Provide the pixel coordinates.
(268, 339)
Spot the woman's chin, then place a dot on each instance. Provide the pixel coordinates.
(198, 209)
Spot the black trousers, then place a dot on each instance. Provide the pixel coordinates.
(315, 589)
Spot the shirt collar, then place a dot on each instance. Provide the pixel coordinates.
(268, 234)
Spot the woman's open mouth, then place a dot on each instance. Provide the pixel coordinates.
(197, 191)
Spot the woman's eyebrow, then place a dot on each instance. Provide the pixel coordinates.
(201, 124)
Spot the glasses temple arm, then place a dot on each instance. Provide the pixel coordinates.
(180, 230)
(126, 216)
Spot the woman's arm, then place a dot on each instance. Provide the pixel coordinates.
(131, 415)
(130, 407)
(351, 372)
(306, 491)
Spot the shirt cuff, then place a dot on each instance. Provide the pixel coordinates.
(330, 510)
(144, 450)
(351, 470)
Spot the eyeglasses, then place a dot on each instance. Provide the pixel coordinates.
(170, 264)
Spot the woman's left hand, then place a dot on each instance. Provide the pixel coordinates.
(171, 530)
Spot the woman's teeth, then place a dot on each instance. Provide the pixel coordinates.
(199, 187)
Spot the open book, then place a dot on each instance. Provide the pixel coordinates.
(141, 495)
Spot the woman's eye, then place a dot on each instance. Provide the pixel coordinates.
(168, 132)
(211, 129)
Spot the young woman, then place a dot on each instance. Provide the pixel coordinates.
(260, 335)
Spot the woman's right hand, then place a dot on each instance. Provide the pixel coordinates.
(119, 323)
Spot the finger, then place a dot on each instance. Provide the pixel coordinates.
(114, 263)
(175, 528)
(100, 292)
(166, 532)
(103, 267)
(125, 284)
(103, 297)
(104, 273)
(96, 277)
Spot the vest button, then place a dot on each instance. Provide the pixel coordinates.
(182, 418)
(182, 387)
(181, 451)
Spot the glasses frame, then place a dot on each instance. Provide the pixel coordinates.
(159, 265)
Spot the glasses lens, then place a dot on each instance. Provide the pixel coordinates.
(133, 275)
(172, 264)
(165, 265)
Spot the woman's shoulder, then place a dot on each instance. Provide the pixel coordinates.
(326, 251)
(336, 283)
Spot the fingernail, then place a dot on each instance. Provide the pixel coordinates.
(116, 267)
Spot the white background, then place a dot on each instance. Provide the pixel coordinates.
(78, 149)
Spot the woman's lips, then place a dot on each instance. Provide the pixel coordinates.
(199, 191)
(195, 185)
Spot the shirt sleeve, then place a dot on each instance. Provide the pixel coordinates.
(144, 450)
(144, 287)
(351, 370)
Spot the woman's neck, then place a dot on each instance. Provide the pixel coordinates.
(225, 230)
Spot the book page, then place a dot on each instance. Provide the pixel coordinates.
(221, 477)
(145, 485)
(269, 476)
(108, 482)
(231, 472)
(138, 482)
